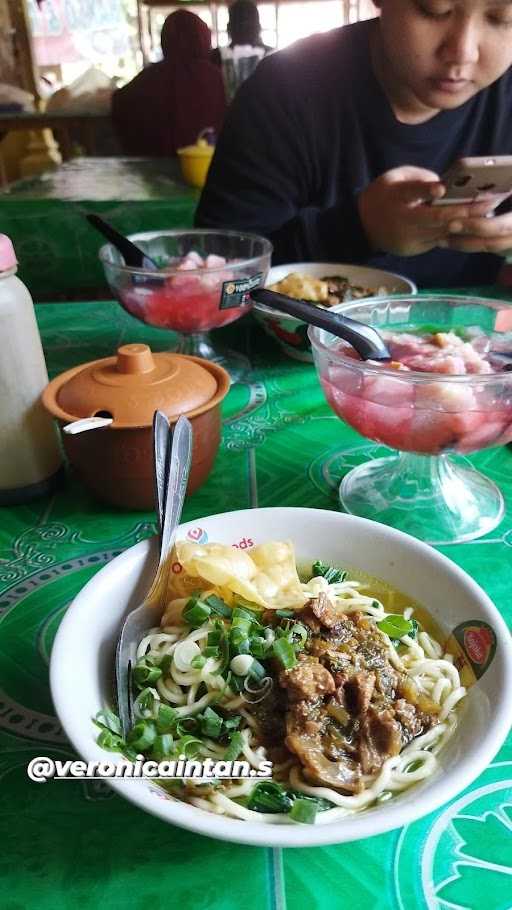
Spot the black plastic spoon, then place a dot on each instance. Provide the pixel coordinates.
(363, 338)
(133, 256)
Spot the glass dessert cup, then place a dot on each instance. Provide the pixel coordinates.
(191, 301)
(427, 488)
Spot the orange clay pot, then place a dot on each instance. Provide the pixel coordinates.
(116, 462)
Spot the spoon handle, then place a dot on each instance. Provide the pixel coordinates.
(133, 256)
(175, 484)
(365, 339)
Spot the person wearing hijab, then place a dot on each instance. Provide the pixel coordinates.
(168, 104)
(246, 48)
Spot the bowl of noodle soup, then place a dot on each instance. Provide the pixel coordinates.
(357, 675)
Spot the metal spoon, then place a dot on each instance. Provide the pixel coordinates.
(175, 466)
(132, 254)
(363, 338)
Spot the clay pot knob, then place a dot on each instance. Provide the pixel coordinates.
(134, 358)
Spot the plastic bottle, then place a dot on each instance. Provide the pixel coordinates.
(30, 457)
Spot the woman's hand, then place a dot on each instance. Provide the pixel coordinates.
(398, 218)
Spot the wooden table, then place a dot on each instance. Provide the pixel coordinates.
(64, 125)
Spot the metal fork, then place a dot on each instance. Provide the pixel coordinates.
(172, 467)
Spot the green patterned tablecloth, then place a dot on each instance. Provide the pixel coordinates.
(76, 846)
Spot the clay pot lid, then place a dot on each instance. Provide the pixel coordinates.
(135, 383)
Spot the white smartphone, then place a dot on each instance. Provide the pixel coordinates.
(478, 180)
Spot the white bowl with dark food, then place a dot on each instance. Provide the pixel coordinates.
(326, 284)
(371, 671)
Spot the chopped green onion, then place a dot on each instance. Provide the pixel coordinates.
(284, 651)
(304, 811)
(235, 683)
(298, 631)
(210, 723)
(142, 736)
(145, 672)
(162, 747)
(146, 704)
(236, 744)
(218, 606)
(395, 626)
(197, 663)
(240, 629)
(241, 664)
(251, 608)
(211, 652)
(258, 646)
(285, 614)
(190, 746)
(186, 725)
(108, 720)
(196, 613)
(165, 719)
(165, 664)
(232, 723)
(257, 670)
(330, 574)
(243, 613)
(110, 741)
(269, 796)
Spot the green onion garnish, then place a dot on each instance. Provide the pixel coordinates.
(236, 744)
(213, 651)
(146, 704)
(187, 725)
(269, 796)
(299, 635)
(257, 670)
(232, 723)
(330, 574)
(196, 613)
(304, 810)
(165, 719)
(218, 606)
(108, 720)
(142, 735)
(145, 672)
(258, 646)
(189, 746)
(162, 747)
(210, 723)
(110, 741)
(284, 651)
(285, 614)
(197, 663)
(165, 664)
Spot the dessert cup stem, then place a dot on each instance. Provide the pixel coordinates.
(198, 344)
(438, 498)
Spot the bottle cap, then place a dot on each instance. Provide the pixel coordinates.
(7, 255)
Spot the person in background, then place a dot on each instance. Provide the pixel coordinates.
(334, 148)
(245, 49)
(168, 104)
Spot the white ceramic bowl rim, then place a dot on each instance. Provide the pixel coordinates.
(393, 814)
(106, 250)
(418, 377)
(304, 266)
